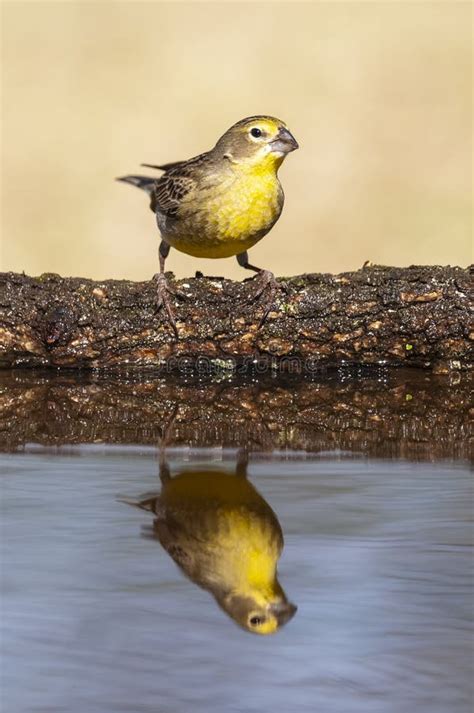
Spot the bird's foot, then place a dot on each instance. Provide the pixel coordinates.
(266, 289)
(163, 290)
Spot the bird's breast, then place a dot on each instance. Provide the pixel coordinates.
(229, 217)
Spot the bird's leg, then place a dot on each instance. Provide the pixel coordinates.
(164, 470)
(242, 463)
(163, 289)
(265, 281)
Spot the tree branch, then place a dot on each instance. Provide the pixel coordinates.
(418, 316)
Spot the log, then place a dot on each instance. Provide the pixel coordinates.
(377, 316)
(393, 413)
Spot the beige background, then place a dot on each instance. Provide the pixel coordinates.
(377, 94)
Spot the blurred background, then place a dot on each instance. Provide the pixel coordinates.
(378, 95)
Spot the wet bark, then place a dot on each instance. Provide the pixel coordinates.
(416, 316)
(389, 414)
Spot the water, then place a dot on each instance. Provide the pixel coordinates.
(98, 619)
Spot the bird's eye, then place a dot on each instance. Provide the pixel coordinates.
(256, 132)
(257, 620)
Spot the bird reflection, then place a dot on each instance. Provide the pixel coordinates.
(226, 538)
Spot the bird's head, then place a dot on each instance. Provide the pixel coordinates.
(258, 612)
(257, 139)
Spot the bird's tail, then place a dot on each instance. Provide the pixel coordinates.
(146, 183)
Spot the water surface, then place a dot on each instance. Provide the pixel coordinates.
(98, 619)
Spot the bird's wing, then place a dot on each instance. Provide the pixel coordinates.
(196, 161)
(178, 548)
(169, 191)
(147, 501)
(178, 180)
(164, 166)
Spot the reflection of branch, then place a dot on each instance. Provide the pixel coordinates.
(407, 413)
(377, 315)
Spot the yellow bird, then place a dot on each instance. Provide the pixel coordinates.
(226, 538)
(221, 202)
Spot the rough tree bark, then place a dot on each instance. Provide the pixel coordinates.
(416, 316)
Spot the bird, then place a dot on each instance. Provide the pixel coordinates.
(225, 538)
(222, 202)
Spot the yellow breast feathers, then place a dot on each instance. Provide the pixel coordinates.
(231, 216)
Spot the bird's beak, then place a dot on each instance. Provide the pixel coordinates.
(284, 141)
(283, 611)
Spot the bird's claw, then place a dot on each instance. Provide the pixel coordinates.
(161, 277)
(265, 283)
(163, 301)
